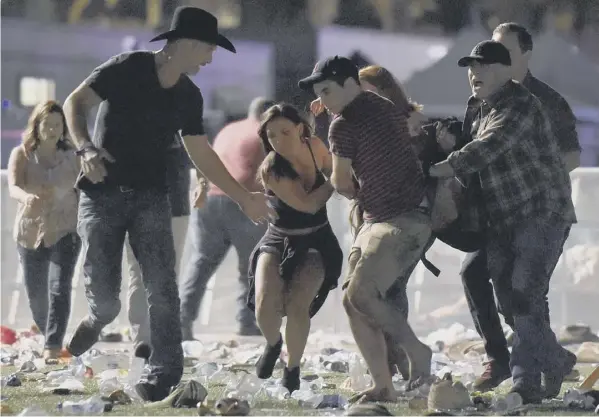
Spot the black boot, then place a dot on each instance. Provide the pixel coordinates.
(268, 360)
(291, 379)
(86, 335)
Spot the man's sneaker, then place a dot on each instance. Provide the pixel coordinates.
(529, 394)
(552, 381)
(268, 360)
(495, 373)
(143, 351)
(83, 339)
(249, 330)
(152, 391)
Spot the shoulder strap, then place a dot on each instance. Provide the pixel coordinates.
(312, 154)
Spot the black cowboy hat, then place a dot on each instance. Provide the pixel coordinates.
(195, 23)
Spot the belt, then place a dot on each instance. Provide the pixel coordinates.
(297, 232)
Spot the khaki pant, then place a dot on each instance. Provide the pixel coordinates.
(384, 251)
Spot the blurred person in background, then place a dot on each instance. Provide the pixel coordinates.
(149, 98)
(298, 261)
(527, 206)
(217, 223)
(374, 162)
(177, 184)
(475, 274)
(41, 176)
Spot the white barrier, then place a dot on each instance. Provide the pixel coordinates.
(435, 301)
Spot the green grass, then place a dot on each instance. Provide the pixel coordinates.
(19, 398)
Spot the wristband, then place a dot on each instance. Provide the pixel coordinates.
(84, 149)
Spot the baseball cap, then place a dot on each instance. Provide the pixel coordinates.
(336, 66)
(487, 52)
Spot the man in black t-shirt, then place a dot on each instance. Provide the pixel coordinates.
(148, 99)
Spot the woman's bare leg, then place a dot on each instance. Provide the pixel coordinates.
(302, 290)
(269, 297)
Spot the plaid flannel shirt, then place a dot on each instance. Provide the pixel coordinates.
(515, 155)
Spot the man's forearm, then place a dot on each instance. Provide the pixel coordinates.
(76, 116)
(347, 190)
(209, 165)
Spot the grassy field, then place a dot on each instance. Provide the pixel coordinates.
(19, 398)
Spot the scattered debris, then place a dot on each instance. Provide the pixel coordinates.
(232, 407)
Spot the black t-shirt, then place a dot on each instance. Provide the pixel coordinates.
(139, 118)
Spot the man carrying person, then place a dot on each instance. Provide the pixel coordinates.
(527, 207)
(149, 97)
(370, 139)
(219, 223)
(475, 275)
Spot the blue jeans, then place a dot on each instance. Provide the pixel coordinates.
(48, 276)
(483, 308)
(105, 218)
(521, 263)
(212, 230)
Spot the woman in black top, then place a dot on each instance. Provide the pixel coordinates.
(298, 261)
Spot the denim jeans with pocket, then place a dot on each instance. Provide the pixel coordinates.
(48, 276)
(106, 216)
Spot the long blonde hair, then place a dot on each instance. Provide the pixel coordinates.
(391, 89)
(388, 87)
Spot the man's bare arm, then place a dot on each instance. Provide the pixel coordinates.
(209, 165)
(76, 108)
(342, 177)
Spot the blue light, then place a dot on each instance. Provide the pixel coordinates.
(6, 104)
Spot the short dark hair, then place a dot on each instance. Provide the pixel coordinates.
(524, 36)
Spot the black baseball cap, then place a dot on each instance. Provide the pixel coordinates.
(336, 66)
(487, 52)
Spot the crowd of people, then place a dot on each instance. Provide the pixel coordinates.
(495, 185)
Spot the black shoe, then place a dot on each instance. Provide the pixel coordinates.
(152, 390)
(529, 394)
(553, 380)
(291, 379)
(143, 350)
(249, 330)
(495, 373)
(268, 360)
(83, 339)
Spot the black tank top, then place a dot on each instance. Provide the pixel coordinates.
(290, 218)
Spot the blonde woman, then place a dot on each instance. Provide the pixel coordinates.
(41, 175)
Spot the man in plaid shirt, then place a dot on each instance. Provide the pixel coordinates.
(475, 276)
(526, 199)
